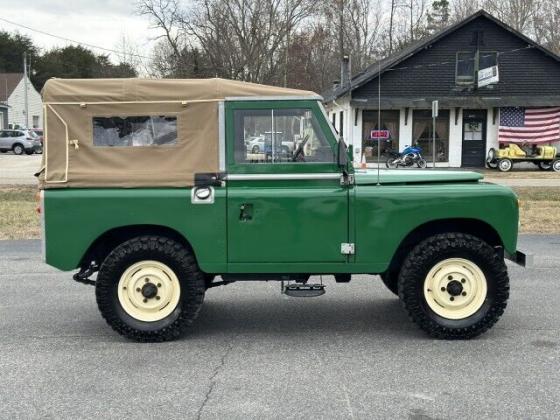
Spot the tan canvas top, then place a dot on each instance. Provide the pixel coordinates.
(120, 90)
(120, 114)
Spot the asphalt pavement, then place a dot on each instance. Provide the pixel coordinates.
(253, 353)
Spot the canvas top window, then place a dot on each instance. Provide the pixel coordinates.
(135, 131)
(274, 136)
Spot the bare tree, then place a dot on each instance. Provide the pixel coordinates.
(519, 14)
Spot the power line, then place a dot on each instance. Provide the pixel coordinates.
(74, 41)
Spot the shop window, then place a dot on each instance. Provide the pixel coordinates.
(422, 131)
(265, 136)
(389, 129)
(134, 131)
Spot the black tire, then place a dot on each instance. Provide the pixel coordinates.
(556, 165)
(18, 149)
(29, 152)
(178, 258)
(544, 166)
(391, 163)
(391, 282)
(441, 247)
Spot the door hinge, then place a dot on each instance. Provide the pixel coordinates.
(347, 249)
(347, 179)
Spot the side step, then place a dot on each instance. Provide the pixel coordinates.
(304, 290)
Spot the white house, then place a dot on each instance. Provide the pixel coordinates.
(12, 92)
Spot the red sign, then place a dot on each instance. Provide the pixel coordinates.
(380, 134)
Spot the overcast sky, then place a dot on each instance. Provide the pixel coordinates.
(97, 22)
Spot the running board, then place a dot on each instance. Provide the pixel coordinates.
(304, 290)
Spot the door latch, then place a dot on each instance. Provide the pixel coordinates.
(347, 249)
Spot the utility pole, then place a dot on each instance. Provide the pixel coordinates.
(26, 101)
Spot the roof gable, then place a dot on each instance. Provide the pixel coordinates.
(372, 71)
(8, 83)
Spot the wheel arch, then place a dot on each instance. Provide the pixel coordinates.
(483, 231)
(110, 239)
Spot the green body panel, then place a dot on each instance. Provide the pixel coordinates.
(293, 229)
(386, 214)
(75, 218)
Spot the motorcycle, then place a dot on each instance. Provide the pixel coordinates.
(410, 155)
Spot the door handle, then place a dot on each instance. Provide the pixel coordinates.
(245, 212)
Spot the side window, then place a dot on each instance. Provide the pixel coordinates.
(19, 134)
(135, 131)
(267, 136)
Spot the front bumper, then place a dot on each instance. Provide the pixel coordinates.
(521, 258)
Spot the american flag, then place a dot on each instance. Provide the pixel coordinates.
(529, 125)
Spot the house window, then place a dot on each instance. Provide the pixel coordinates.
(35, 121)
(464, 69)
(390, 127)
(134, 131)
(467, 65)
(265, 136)
(422, 134)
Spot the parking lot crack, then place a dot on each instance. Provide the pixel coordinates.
(213, 380)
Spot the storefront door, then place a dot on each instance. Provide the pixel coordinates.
(474, 137)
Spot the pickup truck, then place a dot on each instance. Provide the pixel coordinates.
(153, 224)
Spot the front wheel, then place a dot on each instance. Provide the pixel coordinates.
(422, 163)
(505, 165)
(556, 166)
(150, 289)
(454, 286)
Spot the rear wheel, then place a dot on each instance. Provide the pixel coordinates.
(422, 163)
(150, 289)
(556, 166)
(391, 163)
(18, 149)
(544, 166)
(454, 286)
(505, 165)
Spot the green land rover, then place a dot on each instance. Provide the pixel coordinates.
(155, 191)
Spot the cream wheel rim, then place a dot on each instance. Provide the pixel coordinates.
(149, 291)
(455, 288)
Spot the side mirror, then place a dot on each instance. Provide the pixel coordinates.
(342, 154)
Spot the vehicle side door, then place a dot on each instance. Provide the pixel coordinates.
(286, 204)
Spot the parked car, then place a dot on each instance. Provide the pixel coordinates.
(545, 157)
(263, 144)
(20, 142)
(153, 230)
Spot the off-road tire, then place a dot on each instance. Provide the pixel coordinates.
(391, 282)
(453, 245)
(177, 257)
